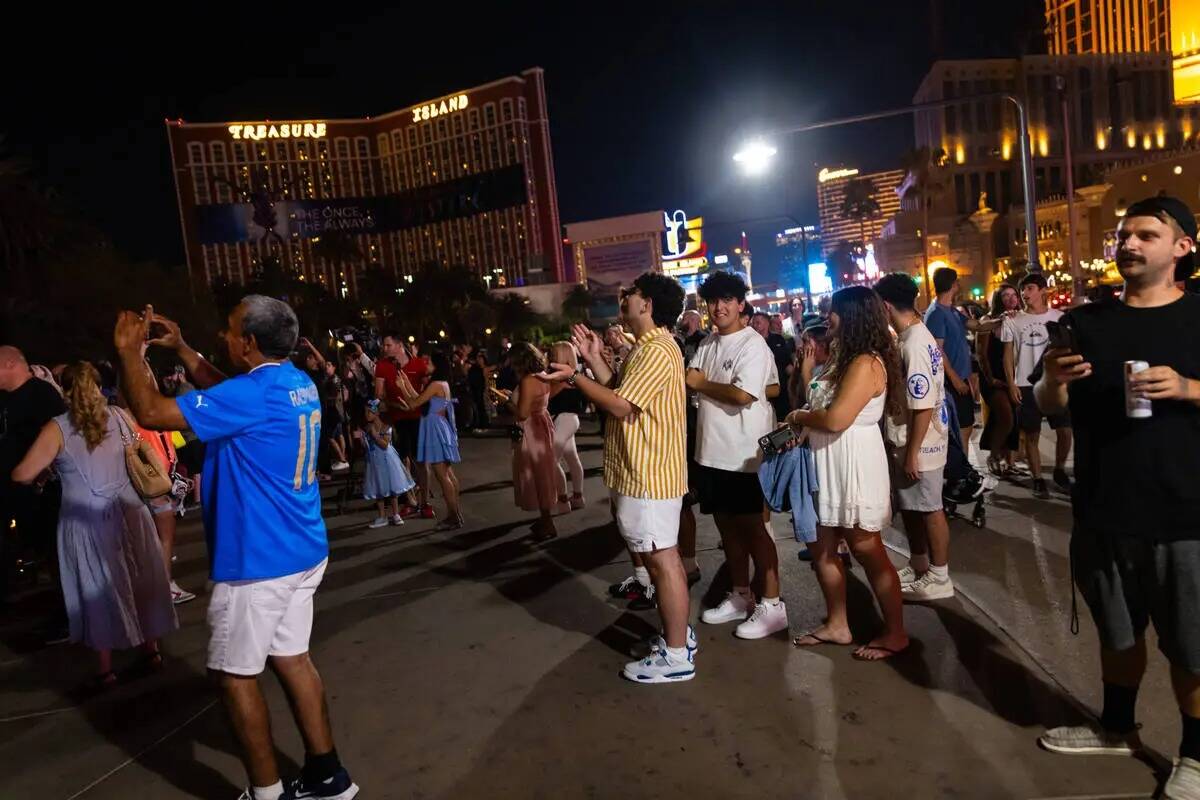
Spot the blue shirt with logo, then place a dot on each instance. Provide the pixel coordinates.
(945, 323)
(262, 504)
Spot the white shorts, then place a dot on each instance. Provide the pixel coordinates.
(647, 525)
(250, 620)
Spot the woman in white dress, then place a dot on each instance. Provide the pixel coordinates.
(862, 381)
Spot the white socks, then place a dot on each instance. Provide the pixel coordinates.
(273, 792)
(941, 573)
(677, 654)
(771, 601)
(643, 576)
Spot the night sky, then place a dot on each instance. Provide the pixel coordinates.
(647, 101)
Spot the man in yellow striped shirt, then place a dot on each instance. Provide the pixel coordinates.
(645, 464)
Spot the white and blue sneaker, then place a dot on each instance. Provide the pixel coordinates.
(657, 643)
(339, 787)
(659, 667)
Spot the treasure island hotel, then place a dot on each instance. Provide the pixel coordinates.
(465, 179)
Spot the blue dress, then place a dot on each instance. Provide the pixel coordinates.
(438, 442)
(386, 475)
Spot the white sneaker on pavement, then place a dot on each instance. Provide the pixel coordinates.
(907, 575)
(659, 667)
(339, 466)
(927, 587)
(1184, 783)
(378, 522)
(179, 596)
(396, 519)
(734, 608)
(766, 620)
(658, 644)
(1090, 739)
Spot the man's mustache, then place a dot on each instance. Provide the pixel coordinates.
(1129, 258)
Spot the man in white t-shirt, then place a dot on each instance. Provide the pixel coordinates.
(730, 372)
(918, 443)
(1025, 339)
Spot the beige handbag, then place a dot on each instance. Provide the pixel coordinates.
(146, 471)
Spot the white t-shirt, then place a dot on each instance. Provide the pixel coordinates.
(1028, 334)
(925, 387)
(727, 436)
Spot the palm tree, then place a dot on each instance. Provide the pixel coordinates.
(924, 182)
(576, 304)
(859, 203)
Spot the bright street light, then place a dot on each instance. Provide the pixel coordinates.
(755, 157)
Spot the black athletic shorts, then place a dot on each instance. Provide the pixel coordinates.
(723, 492)
(964, 405)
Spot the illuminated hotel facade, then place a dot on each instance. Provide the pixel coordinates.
(831, 193)
(466, 179)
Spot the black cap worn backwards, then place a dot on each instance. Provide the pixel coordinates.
(1178, 211)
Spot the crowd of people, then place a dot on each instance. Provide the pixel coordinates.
(866, 411)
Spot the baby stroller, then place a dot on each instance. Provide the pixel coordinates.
(963, 483)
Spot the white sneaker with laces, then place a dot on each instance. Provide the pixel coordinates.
(657, 643)
(766, 620)
(179, 596)
(907, 575)
(734, 608)
(339, 466)
(659, 667)
(927, 587)
(396, 519)
(378, 522)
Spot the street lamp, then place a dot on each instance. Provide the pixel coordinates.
(755, 157)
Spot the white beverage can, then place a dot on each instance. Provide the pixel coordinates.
(1136, 407)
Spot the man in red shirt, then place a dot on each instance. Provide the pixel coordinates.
(405, 424)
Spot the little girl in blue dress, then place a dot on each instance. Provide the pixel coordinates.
(386, 479)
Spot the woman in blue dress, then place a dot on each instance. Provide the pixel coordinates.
(437, 444)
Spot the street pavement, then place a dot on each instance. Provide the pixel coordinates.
(475, 664)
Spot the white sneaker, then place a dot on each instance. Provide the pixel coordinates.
(765, 621)
(396, 519)
(733, 608)
(927, 587)
(378, 522)
(339, 466)
(179, 596)
(1184, 783)
(907, 575)
(1090, 739)
(658, 667)
(658, 644)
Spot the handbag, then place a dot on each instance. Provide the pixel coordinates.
(146, 470)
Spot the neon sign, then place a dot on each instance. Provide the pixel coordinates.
(285, 130)
(431, 110)
(826, 174)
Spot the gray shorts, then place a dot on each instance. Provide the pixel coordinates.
(924, 494)
(1129, 582)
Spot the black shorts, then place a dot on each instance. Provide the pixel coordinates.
(723, 492)
(405, 434)
(1029, 416)
(1128, 582)
(191, 456)
(964, 405)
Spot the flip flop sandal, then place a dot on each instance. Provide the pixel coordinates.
(819, 641)
(890, 652)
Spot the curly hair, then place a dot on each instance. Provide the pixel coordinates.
(527, 359)
(87, 407)
(721, 284)
(665, 295)
(863, 330)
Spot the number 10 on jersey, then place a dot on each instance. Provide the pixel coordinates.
(306, 470)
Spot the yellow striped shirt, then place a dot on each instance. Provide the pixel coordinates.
(645, 453)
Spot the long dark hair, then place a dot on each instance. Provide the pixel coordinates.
(863, 330)
(997, 309)
(441, 366)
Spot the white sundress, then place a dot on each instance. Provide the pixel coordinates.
(852, 466)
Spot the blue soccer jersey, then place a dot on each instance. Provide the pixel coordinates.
(262, 505)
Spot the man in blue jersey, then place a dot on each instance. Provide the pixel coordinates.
(262, 516)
